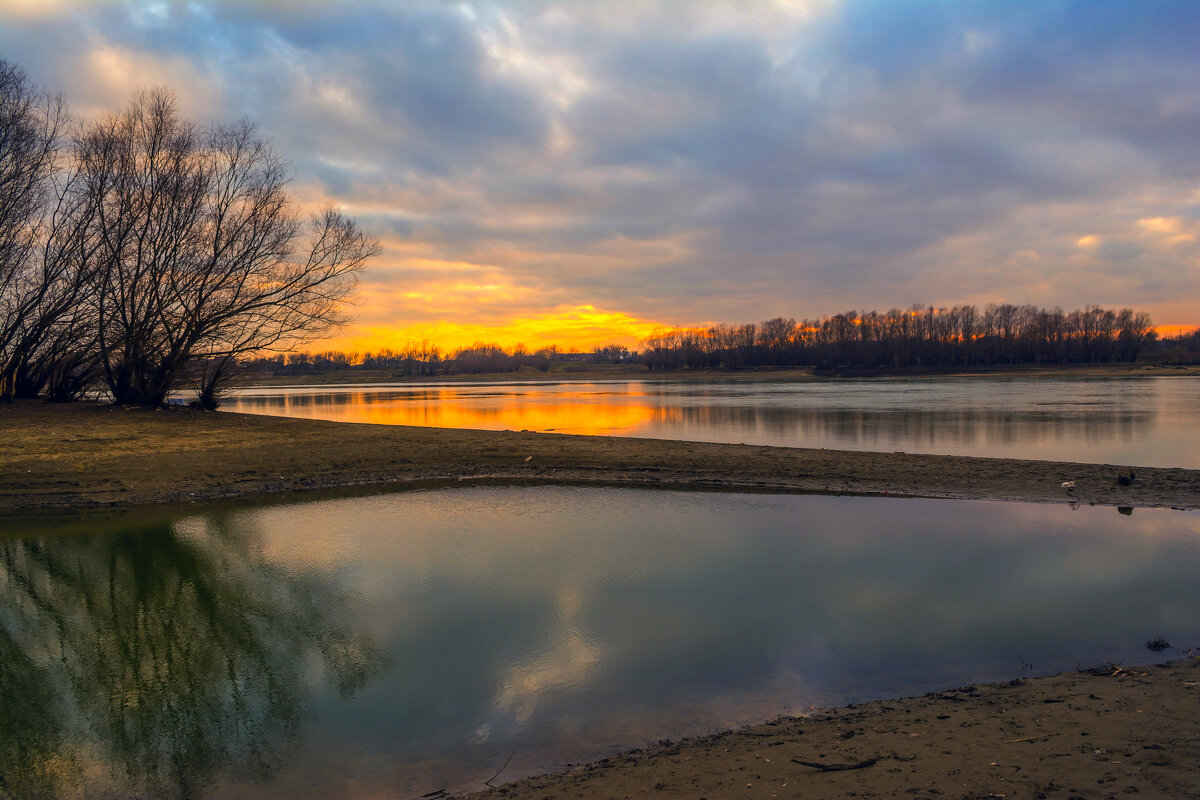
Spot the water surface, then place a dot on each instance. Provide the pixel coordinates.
(392, 645)
(1134, 421)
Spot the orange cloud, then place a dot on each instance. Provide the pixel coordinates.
(578, 328)
(1170, 230)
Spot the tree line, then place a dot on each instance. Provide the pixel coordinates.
(143, 252)
(1181, 349)
(920, 336)
(416, 359)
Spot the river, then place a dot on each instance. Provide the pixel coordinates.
(1127, 421)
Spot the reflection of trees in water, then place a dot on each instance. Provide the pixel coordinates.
(959, 426)
(156, 661)
(714, 413)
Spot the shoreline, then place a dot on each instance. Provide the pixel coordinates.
(1100, 733)
(638, 372)
(62, 458)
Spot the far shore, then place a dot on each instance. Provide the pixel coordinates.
(91, 455)
(576, 371)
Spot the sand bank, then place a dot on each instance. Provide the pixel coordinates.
(56, 457)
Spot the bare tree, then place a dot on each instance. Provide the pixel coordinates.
(43, 330)
(201, 256)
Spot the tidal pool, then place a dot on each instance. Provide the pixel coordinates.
(1133, 421)
(395, 644)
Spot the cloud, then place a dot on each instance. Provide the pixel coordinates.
(571, 328)
(698, 162)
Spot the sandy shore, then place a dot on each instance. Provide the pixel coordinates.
(1121, 733)
(89, 455)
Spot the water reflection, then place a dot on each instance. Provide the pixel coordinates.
(966, 427)
(158, 660)
(237, 654)
(1153, 422)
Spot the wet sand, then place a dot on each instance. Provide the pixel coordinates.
(1121, 733)
(80, 456)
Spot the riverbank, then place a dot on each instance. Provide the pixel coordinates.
(1106, 733)
(86, 455)
(578, 371)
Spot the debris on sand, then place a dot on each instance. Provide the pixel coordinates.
(1111, 670)
(1157, 644)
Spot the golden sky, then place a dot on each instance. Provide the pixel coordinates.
(578, 329)
(581, 173)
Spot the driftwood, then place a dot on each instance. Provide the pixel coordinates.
(836, 767)
(488, 782)
(1111, 671)
(1030, 738)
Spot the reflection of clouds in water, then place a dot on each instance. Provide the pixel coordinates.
(557, 622)
(491, 410)
(566, 662)
(1139, 551)
(1135, 421)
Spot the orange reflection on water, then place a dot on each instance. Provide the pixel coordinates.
(502, 409)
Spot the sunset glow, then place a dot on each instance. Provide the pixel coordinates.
(1172, 331)
(566, 338)
(577, 329)
(582, 173)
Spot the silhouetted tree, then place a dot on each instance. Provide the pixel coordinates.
(45, 331)
(200, 255)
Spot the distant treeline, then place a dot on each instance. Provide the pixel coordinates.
(426, 359)
(1182, 349)
(920, 336)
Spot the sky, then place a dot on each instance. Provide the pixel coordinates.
(582, 173)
